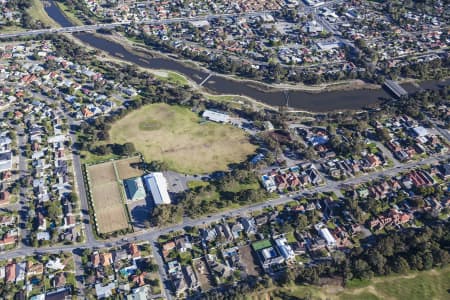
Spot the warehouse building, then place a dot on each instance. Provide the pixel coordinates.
(156, 185)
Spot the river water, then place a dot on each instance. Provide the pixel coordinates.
(300, 100)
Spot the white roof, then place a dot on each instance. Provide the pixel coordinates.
(325, 233)
(284, 248)
(215, 116)
(420, 131)
(156, 183)
(55, 264)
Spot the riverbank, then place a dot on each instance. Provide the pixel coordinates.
(37, 12)
(218, 85)
(171, 77)
(344, 85)
(69, 14)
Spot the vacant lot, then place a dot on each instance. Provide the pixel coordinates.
(248, 260)
(175, 135)
(107, 197)
(203, 275)
(129, 168)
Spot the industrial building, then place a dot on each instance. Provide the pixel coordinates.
(156, 184)
(216, 116)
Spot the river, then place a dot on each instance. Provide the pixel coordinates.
(298, 100)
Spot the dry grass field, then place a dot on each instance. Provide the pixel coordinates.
(107, 197)
(128, 168)
(175, 135)
(432, 284)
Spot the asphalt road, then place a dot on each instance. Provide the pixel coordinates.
(126, 23)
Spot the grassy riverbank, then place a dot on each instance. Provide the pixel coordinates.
(70, 13)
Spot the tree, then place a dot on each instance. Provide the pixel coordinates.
(401, 265)
(383, 134)
(128, 148)
(54, 210)
(302, 222)
(166, 214)
(362, 269)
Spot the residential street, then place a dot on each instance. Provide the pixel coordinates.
(153, 233)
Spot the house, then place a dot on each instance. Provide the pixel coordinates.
(445, 170)
(34, 268)
(236, 229)
(183, 244)
(95, 259)
(42, 222)
(106, 259)
(4, 197)
(59, 280)
(167, 247)
(43, 236)
(249, 225)
(120, 255)
(267, 254)
(227, 232)
(10, 271)
(69, 221)
(208, 235)
(173, 267)
(325, 234)
(140, 293)
(21, 271)
(179, 284)
(8, 239)
(55, 264)
(284, 248)
(104, 291)
(6, 220)
(139, 280)
(269, 183)
(374, 160)
(191, 279)
(134, 251)
(5, 161)
(5, 143)
(419, 131)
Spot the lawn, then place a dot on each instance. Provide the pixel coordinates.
(177, 136)
(70, 13)
(433, 284)
(90, 158)
(173, 77)
(196, 184)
